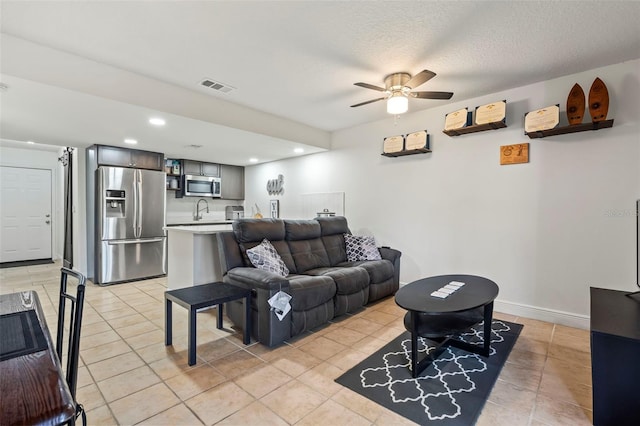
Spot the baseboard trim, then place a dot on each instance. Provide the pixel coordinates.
(543, 314)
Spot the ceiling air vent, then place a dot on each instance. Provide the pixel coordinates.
(216, 85)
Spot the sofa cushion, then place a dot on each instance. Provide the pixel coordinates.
(378, 270)
(308, 291)
(361, 248)
(348, 280)
(250, 233)
(264, 256)
(333, 229)
(305, 245)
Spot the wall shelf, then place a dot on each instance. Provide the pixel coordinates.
(406, 152)
(570, 129)
(475, 128)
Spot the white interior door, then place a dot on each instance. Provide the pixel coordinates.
(25, 214)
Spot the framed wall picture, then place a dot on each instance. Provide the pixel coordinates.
(274, 206)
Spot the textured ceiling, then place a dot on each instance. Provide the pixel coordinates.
(295, 62)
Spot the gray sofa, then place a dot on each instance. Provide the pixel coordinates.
(322, 283)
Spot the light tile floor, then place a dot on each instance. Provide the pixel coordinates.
(128, 376)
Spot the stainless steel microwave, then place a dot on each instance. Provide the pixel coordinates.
(202, 186)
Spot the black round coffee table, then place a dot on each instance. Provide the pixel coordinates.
(442, 319)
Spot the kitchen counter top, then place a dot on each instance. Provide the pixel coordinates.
(202, 228)
(200, 223)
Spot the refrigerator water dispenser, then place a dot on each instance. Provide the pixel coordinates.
(114, 203)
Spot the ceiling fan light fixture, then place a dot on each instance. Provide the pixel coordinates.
(397, 104)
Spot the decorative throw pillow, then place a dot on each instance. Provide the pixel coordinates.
(361, 248)
(264, 256)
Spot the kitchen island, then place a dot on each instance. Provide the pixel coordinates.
(192, 254)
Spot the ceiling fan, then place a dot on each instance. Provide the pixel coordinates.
(397, 90)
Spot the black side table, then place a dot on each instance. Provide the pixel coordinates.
(441, 319)
(204, 296)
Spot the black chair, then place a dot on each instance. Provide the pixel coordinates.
(75, 323)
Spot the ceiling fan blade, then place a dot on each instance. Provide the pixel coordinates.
(367, 102)
(431, 95)
(420, 78)
(370, 86)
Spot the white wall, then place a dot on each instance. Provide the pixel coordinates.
(46, 160)
(544, 231)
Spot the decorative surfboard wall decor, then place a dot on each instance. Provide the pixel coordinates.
(575, 105)
(598, 101)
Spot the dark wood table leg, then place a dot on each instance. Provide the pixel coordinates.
(219, 319)
(488, 318)
(168, 336)
(192, 336)
(414, 344)
(247, 321)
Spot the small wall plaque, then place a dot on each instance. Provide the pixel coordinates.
(393, 144)
(416, 140)
(457, 119)
(491, 113)
(514, 154)
(542, 119)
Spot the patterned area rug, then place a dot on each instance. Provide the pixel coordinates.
(451, 391)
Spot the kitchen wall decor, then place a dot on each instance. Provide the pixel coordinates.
(275, 186)
(514, 154)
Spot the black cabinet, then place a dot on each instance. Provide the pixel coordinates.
(199, 168)
(615, 357)
(124, 157)
(232, 182)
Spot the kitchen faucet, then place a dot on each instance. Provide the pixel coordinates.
(198, 216)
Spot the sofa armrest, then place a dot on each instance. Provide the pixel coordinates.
(267, 328)
(389, 253)
(257, 278)
(393, 256)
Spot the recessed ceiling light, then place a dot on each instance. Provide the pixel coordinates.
(30, 142)
(253, 160)
(157, 121)
(131, 141)
(298, 150)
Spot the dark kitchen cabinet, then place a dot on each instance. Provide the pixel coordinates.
(123, 157)
(199, 168)
(232, 182)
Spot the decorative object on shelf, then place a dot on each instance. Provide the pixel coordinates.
(488, 117)
(514, 154)
(393, 144)
(397, 90)
(256, 214)
(575, 105)
(542, 119)
(413, 143)
(457, 119)
(274, 207)
(598, 101)
(491, 113)
(416, 140)
(275, 186)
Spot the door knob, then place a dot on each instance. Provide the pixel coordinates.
(47, 222)
(47, 215)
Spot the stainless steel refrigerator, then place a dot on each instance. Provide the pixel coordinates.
(130, 216)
